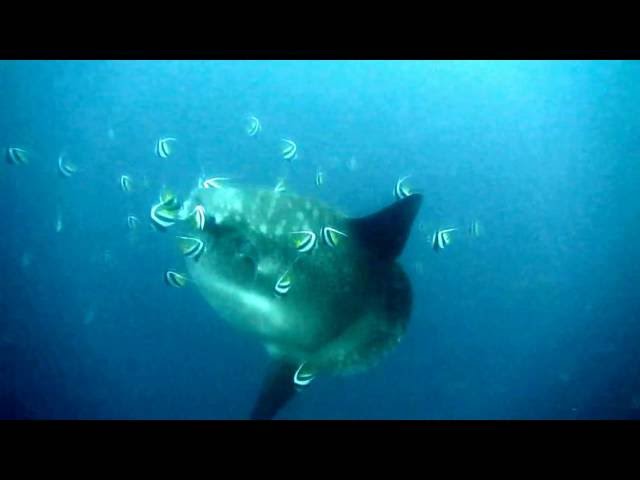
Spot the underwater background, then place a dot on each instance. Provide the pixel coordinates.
(536, 318)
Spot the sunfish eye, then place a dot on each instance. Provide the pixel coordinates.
(243, 246)
(247, 267)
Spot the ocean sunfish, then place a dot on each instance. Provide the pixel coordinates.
(322, 291)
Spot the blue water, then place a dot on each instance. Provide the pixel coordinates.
(537, 318)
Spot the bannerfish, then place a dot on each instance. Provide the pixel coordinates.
(280, 186)
(175, 279)
(289, 149)
(253, 126)
(126, 184)
(65, 168)
(132, 222)
(164, 147)
(401, 190)
(475, 229)
(441, 238)
(17, 156)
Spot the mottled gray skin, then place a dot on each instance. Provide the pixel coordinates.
(343, 311)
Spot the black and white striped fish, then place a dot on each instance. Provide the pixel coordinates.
(401, 190)
(169, 200)
(280, 187)
(132, 222)
(191, 247)
(213, 182)
(164, 147)
(304, 240)
(17, 156)
(126, 184)
(58, 221)
(175, 279)
(302, 378)
(331, 236)
(253, 126)
(199, 216)
(283, 285)
(475, 230)
(165, 213)
(289, 149)
(66, 169)
(161, 217)
(441, 238)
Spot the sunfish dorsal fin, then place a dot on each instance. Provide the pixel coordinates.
(277, 389)
(385, 232)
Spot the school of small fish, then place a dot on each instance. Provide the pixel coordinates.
(168, 211)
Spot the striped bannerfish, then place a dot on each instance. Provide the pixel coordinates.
(165, 213)
(161, 217)
(301, 378)
(304, 240)
(400, 190)
(331, 236)
(17, 156)
(253, 126)
(66, 169)
(169, 200)
(199, 216)
(191, 247)
(163, 147)
(58, 220)
(441, 238)
(175, 279)
(126, 184)
(475, 230)
(213, 182)
(280, 187)
(283, 285)
(289, 149)
(132, 222)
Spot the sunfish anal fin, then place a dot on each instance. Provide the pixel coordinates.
(277, 389)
